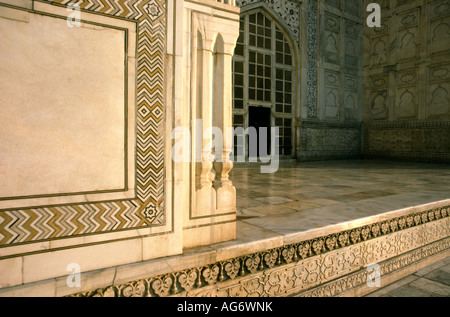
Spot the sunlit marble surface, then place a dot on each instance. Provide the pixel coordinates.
(306, 199)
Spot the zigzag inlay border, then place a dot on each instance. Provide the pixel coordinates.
(37, 224)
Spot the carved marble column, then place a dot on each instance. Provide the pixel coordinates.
(211, 32)
(205, 193)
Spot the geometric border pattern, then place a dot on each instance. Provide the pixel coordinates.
(302, 266)
(312, 71)
(37, 224)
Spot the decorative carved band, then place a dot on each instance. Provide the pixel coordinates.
(286, 258)
(359, 279)
(406, 125)
(328, 125)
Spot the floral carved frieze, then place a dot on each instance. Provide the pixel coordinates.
(299, 266)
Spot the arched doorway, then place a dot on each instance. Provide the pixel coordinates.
(264, 81)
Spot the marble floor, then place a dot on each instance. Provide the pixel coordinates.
(302, 196)
(304, 200)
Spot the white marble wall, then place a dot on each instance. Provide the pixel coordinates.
(330, 123)
(94, 112)
(66, 105)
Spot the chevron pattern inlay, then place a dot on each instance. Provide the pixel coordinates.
(36, 224)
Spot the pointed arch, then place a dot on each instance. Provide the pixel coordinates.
(289, 35)
(266, 73)
(219, 45)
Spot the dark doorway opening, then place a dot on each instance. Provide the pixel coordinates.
(259, 117)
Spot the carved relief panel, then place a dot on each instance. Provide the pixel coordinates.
(439, 28)
(352, 41)
(378, 106)
(379, 44)
(406, 104)
(331, 39)
(438, 90)
(406, 89)
(332, 88)
(438, 98)
(353, 7)
(342, 47)
(407, 81)
(351, 97)
(408, 37)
